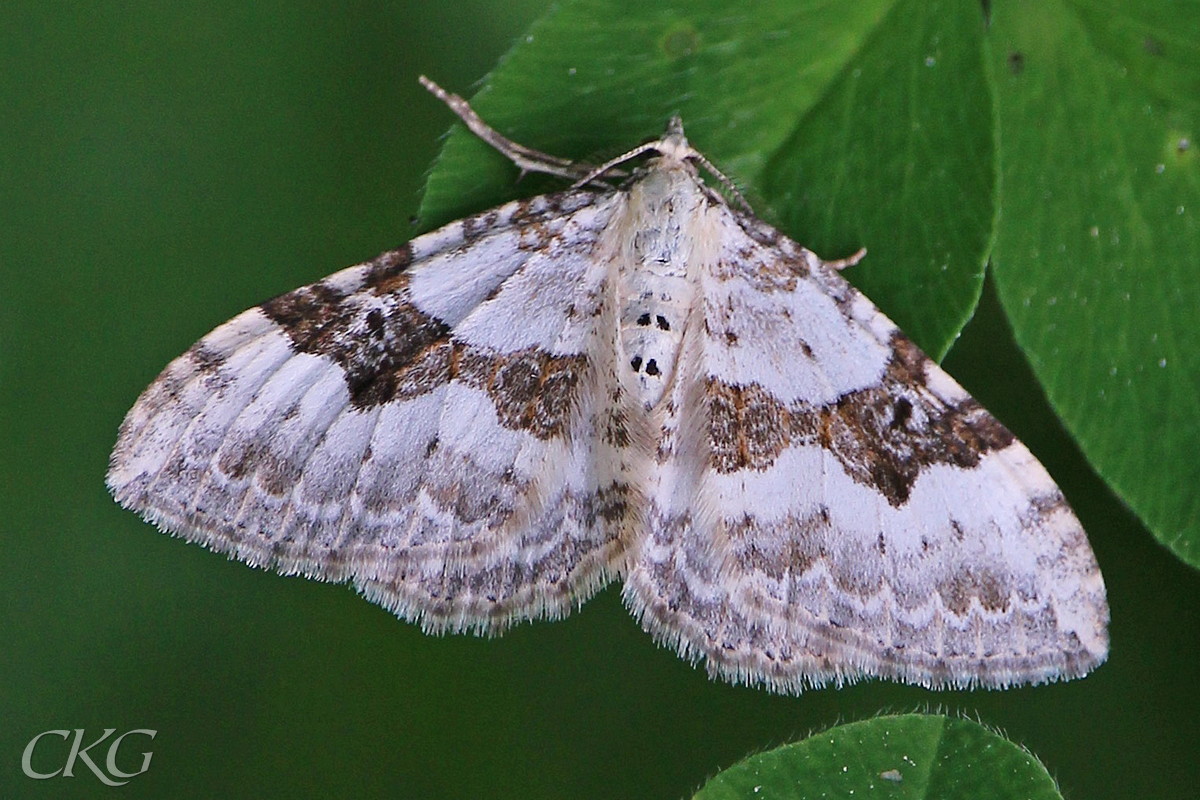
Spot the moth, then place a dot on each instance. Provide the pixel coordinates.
(643, 383)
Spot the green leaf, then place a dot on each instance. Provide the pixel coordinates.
(908, 127)
(911, 756)
(899, 154)
(868, 126)
(1097, 256)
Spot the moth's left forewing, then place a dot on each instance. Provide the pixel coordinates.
(422, 425)
(859, 514)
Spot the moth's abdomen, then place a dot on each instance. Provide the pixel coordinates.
(651, 326)
(660, 250)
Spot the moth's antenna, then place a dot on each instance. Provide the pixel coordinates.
(582, 173)
(729, 185)
(596, 172)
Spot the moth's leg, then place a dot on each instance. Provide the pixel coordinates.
(528, 159)
(842, 263)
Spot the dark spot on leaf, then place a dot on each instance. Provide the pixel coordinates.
(680, 42)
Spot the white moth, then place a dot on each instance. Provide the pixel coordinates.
(647, 384)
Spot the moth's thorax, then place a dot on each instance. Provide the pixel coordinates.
(661, 242)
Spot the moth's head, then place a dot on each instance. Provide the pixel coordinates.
(673, 146)
(675, 152)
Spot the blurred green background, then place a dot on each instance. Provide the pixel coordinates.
(162, 167)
